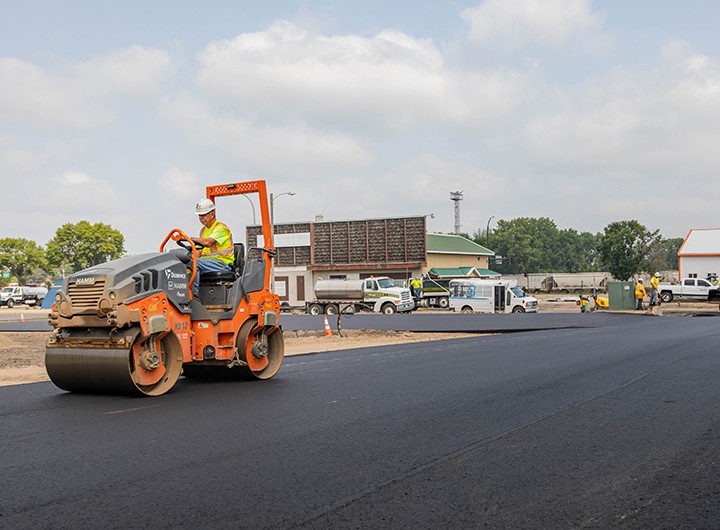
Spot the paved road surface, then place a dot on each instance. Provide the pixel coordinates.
(612, 425)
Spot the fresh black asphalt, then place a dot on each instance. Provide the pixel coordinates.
(613, 423)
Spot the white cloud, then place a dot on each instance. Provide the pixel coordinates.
(20, 159)
(78, 192)
(390, 82)
(513, 24)
(180, 184)
(133, 70)
(34, 97)
(293, 148)
(664, 122)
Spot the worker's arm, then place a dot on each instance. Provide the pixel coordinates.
(204, 241)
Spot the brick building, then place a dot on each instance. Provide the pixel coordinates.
(307, 252)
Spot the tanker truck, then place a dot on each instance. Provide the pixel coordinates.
(22, 294)
(371, 294)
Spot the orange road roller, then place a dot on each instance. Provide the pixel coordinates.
(133, 326)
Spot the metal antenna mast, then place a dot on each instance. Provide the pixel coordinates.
(457, 196)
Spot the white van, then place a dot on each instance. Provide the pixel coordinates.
(490, 296)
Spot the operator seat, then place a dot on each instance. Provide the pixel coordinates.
(229, 276)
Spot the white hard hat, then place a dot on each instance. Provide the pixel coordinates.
(640, 279)
(657, 274)
(204, 206)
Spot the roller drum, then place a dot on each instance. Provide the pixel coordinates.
(90, 370)
(149, 366)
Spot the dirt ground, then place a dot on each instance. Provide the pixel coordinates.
(22, 354)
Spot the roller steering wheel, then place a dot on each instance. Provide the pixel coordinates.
(188, 245)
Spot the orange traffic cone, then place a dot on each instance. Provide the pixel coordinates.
(22, 317)
(328, 331)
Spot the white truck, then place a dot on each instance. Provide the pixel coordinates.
(688, 289)
(371, 294)
(22, 294)
(490, 296)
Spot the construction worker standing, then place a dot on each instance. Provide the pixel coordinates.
(415, 286)
(639, 294)
(654, 283)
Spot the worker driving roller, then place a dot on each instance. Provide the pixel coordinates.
(216, 239)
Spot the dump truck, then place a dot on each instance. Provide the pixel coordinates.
(133, 326)
(435, 292)
(22, 294)
(378, 294)
(490, 296)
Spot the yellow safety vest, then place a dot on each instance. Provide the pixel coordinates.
(639, 290)
(222, 251)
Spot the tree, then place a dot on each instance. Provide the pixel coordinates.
(663, 256)
(530, 244)
(625, 246)
(82, 245)
(20, 256)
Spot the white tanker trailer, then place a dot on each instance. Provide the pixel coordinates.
(371, 294)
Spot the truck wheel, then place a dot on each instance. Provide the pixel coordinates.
(518, 309)
(11, 303)
(467, 309)
(331, 309)
(666, 296)
(389, 309)
(444, 302)
(315, 309)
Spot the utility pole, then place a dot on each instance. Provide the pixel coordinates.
(456, 197)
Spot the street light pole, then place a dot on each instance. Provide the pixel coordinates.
(272, 234)
(272, 208)
(487, 231)
(253, 207)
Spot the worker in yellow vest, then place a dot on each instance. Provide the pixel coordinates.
(639, 294)
(218, 253)
(654, 286)
(415, 286)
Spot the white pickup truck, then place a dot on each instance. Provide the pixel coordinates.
(688, 289)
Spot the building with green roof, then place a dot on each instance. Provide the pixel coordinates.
(464, 257)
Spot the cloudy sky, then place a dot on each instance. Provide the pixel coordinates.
(587, 112)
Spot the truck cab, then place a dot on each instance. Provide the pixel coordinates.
(11, 295)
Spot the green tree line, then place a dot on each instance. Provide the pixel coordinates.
(73, 248)
(536, 245)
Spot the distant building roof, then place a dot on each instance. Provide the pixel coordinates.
(459, 272)
(701, 242)
(453, 244)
